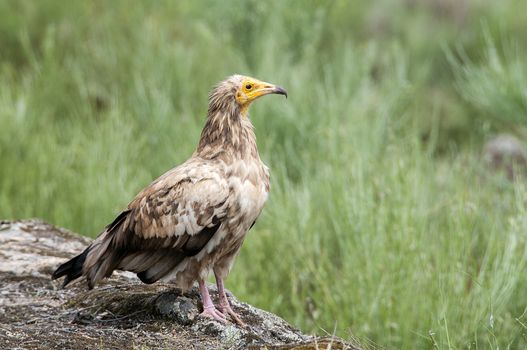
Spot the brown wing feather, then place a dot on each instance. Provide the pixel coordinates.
(171, 219)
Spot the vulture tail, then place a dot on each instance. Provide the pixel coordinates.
(72, 269)
(96, 261)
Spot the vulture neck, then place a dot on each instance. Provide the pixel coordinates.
(228, 134)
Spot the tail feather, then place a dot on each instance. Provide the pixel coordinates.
(72, 269)
(98, 260)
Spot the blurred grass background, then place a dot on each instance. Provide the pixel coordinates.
(382, 222)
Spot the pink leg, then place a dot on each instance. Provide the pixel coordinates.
(208, 307)
(225, 306)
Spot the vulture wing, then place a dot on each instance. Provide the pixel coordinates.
(173, 218)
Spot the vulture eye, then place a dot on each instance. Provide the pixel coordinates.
(248, 86)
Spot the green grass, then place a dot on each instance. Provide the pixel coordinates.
(382, 221)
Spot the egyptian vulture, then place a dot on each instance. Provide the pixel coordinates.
(193, 219)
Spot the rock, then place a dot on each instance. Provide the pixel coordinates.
(506, 153)
(121, 313)
(180, 308)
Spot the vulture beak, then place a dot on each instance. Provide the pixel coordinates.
(278, 90)
(263, 88)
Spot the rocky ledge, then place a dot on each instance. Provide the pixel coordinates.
(122, 313)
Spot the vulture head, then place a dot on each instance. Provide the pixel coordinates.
(238, 91)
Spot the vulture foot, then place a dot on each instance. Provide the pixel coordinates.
(226, 309)
(212, 312)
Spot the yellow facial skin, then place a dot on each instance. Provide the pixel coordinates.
(251, 89)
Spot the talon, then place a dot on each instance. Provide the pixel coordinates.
(227, 310)
(212, 312)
